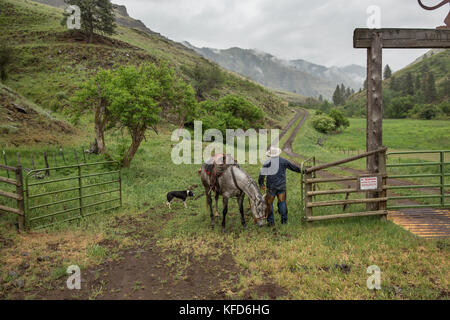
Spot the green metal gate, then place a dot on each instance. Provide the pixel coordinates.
(67, 193)
(428, 177)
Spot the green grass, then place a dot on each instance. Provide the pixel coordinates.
(304, 261)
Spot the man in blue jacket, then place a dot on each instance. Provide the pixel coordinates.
(275, 171)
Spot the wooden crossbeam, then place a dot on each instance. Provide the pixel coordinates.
(11, 210)
(10, 195)
(342, 202)
(347, 215)
(397, 38)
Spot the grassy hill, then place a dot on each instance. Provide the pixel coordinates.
(50, 61)
(436, 63)
(23, 122)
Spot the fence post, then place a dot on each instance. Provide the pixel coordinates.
(6, 162)
(308, 198)
(47, 172)
(442, 179)
(382, 167)
(21, 200)
(80, 193)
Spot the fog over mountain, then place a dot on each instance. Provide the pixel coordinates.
(298, 76)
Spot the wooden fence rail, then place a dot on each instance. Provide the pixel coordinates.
(18, 195)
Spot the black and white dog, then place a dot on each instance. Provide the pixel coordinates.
(182, 195)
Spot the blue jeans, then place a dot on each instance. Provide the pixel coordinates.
(282, 206)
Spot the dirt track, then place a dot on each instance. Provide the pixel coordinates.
(424, 222)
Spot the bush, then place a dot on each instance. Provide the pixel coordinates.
(324, 123)
(399, 107)
(340, 121)
(230, 112)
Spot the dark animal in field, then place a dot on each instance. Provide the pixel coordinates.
(231, 182)
(447, 19)
(182, 195)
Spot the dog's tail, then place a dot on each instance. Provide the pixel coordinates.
(198, 197)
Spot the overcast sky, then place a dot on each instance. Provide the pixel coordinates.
(317, 31)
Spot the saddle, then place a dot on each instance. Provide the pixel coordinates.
(215, 167)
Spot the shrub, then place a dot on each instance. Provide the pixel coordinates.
(340, 121)
(324, 123)
(230, 112)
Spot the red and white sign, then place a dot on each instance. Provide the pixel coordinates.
(368, 183)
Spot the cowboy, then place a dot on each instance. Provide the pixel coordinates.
(275, 170)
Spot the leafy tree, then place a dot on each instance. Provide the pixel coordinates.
(230, 112)
(205, 77)
(340, 121)
(323, 123)
(399, 107)
(97, 16)
(387, 72)
(5, 60)
(134, 98)
(428, 112)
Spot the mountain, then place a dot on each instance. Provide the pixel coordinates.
(122, 17)
(298, 76)
(409, 92)
(51, 62)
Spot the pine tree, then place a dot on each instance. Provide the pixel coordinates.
(97, 16)
(387, 72)
(430, 88)
(408, 85)
(394, 84)
(337, 96)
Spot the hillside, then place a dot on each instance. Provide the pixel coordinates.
(296, 76)
(51, 61)
(410, 92)
(22, 122)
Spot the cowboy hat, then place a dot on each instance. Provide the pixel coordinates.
(274, 152)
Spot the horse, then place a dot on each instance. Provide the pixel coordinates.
(234, 182)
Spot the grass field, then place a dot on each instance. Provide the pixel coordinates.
(326, 261)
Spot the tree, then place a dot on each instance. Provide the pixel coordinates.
(97, 16)
(408, 85)
(323, 123)
(5, 60)
(340, 121)
(134, 98)
(205, 77)
(230, 112)
(399, 107)
(387, 72)
(93, 96)
(430, 88)
(337, 96)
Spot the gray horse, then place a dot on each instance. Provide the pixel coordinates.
(234, 182)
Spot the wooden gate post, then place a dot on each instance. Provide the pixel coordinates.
(308, 198)
(382, 161)
(374, 132)
(21, 199)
